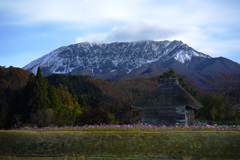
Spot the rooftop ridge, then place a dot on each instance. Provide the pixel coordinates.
(168, 80)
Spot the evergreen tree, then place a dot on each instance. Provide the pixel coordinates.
(54, 97)
(39, 98)
(169, 74)
(4, 109)
(32, 102)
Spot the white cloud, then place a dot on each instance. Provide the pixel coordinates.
(172, 12)
(92, 38)
(75, 11)
(134, 32)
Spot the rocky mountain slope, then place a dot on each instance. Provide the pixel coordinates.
(126, 60)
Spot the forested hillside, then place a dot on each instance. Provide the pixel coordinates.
(11, 80)
(66, 100)
(26, 99)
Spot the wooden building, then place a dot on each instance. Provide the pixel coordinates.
(167, 104)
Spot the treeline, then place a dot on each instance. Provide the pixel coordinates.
(66, 99)
(42, 104)
(26, 99)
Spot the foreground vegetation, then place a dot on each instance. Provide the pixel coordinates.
(123, 141)
(138, 127)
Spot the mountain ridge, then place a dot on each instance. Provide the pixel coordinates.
(126, 60)
(113, 55)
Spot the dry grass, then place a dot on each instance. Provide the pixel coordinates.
(121, 144)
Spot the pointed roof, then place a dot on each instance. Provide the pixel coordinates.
(167, 94)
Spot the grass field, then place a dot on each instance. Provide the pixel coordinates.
(106, 143)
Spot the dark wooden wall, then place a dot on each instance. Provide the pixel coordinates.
(168, 115)
(180, 115)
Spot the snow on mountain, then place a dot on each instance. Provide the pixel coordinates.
(93, 58)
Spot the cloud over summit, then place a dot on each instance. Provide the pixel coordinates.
(135, 32)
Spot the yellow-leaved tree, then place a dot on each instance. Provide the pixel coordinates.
(70, 109)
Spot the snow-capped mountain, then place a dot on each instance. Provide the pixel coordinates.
(126, 60)
(94, 59)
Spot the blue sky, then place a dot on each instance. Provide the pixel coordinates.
(30, 29)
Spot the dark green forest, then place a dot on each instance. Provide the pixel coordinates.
(69, 100)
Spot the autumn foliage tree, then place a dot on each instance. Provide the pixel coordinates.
(68, 112)
(216, 108)
(221, 106)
